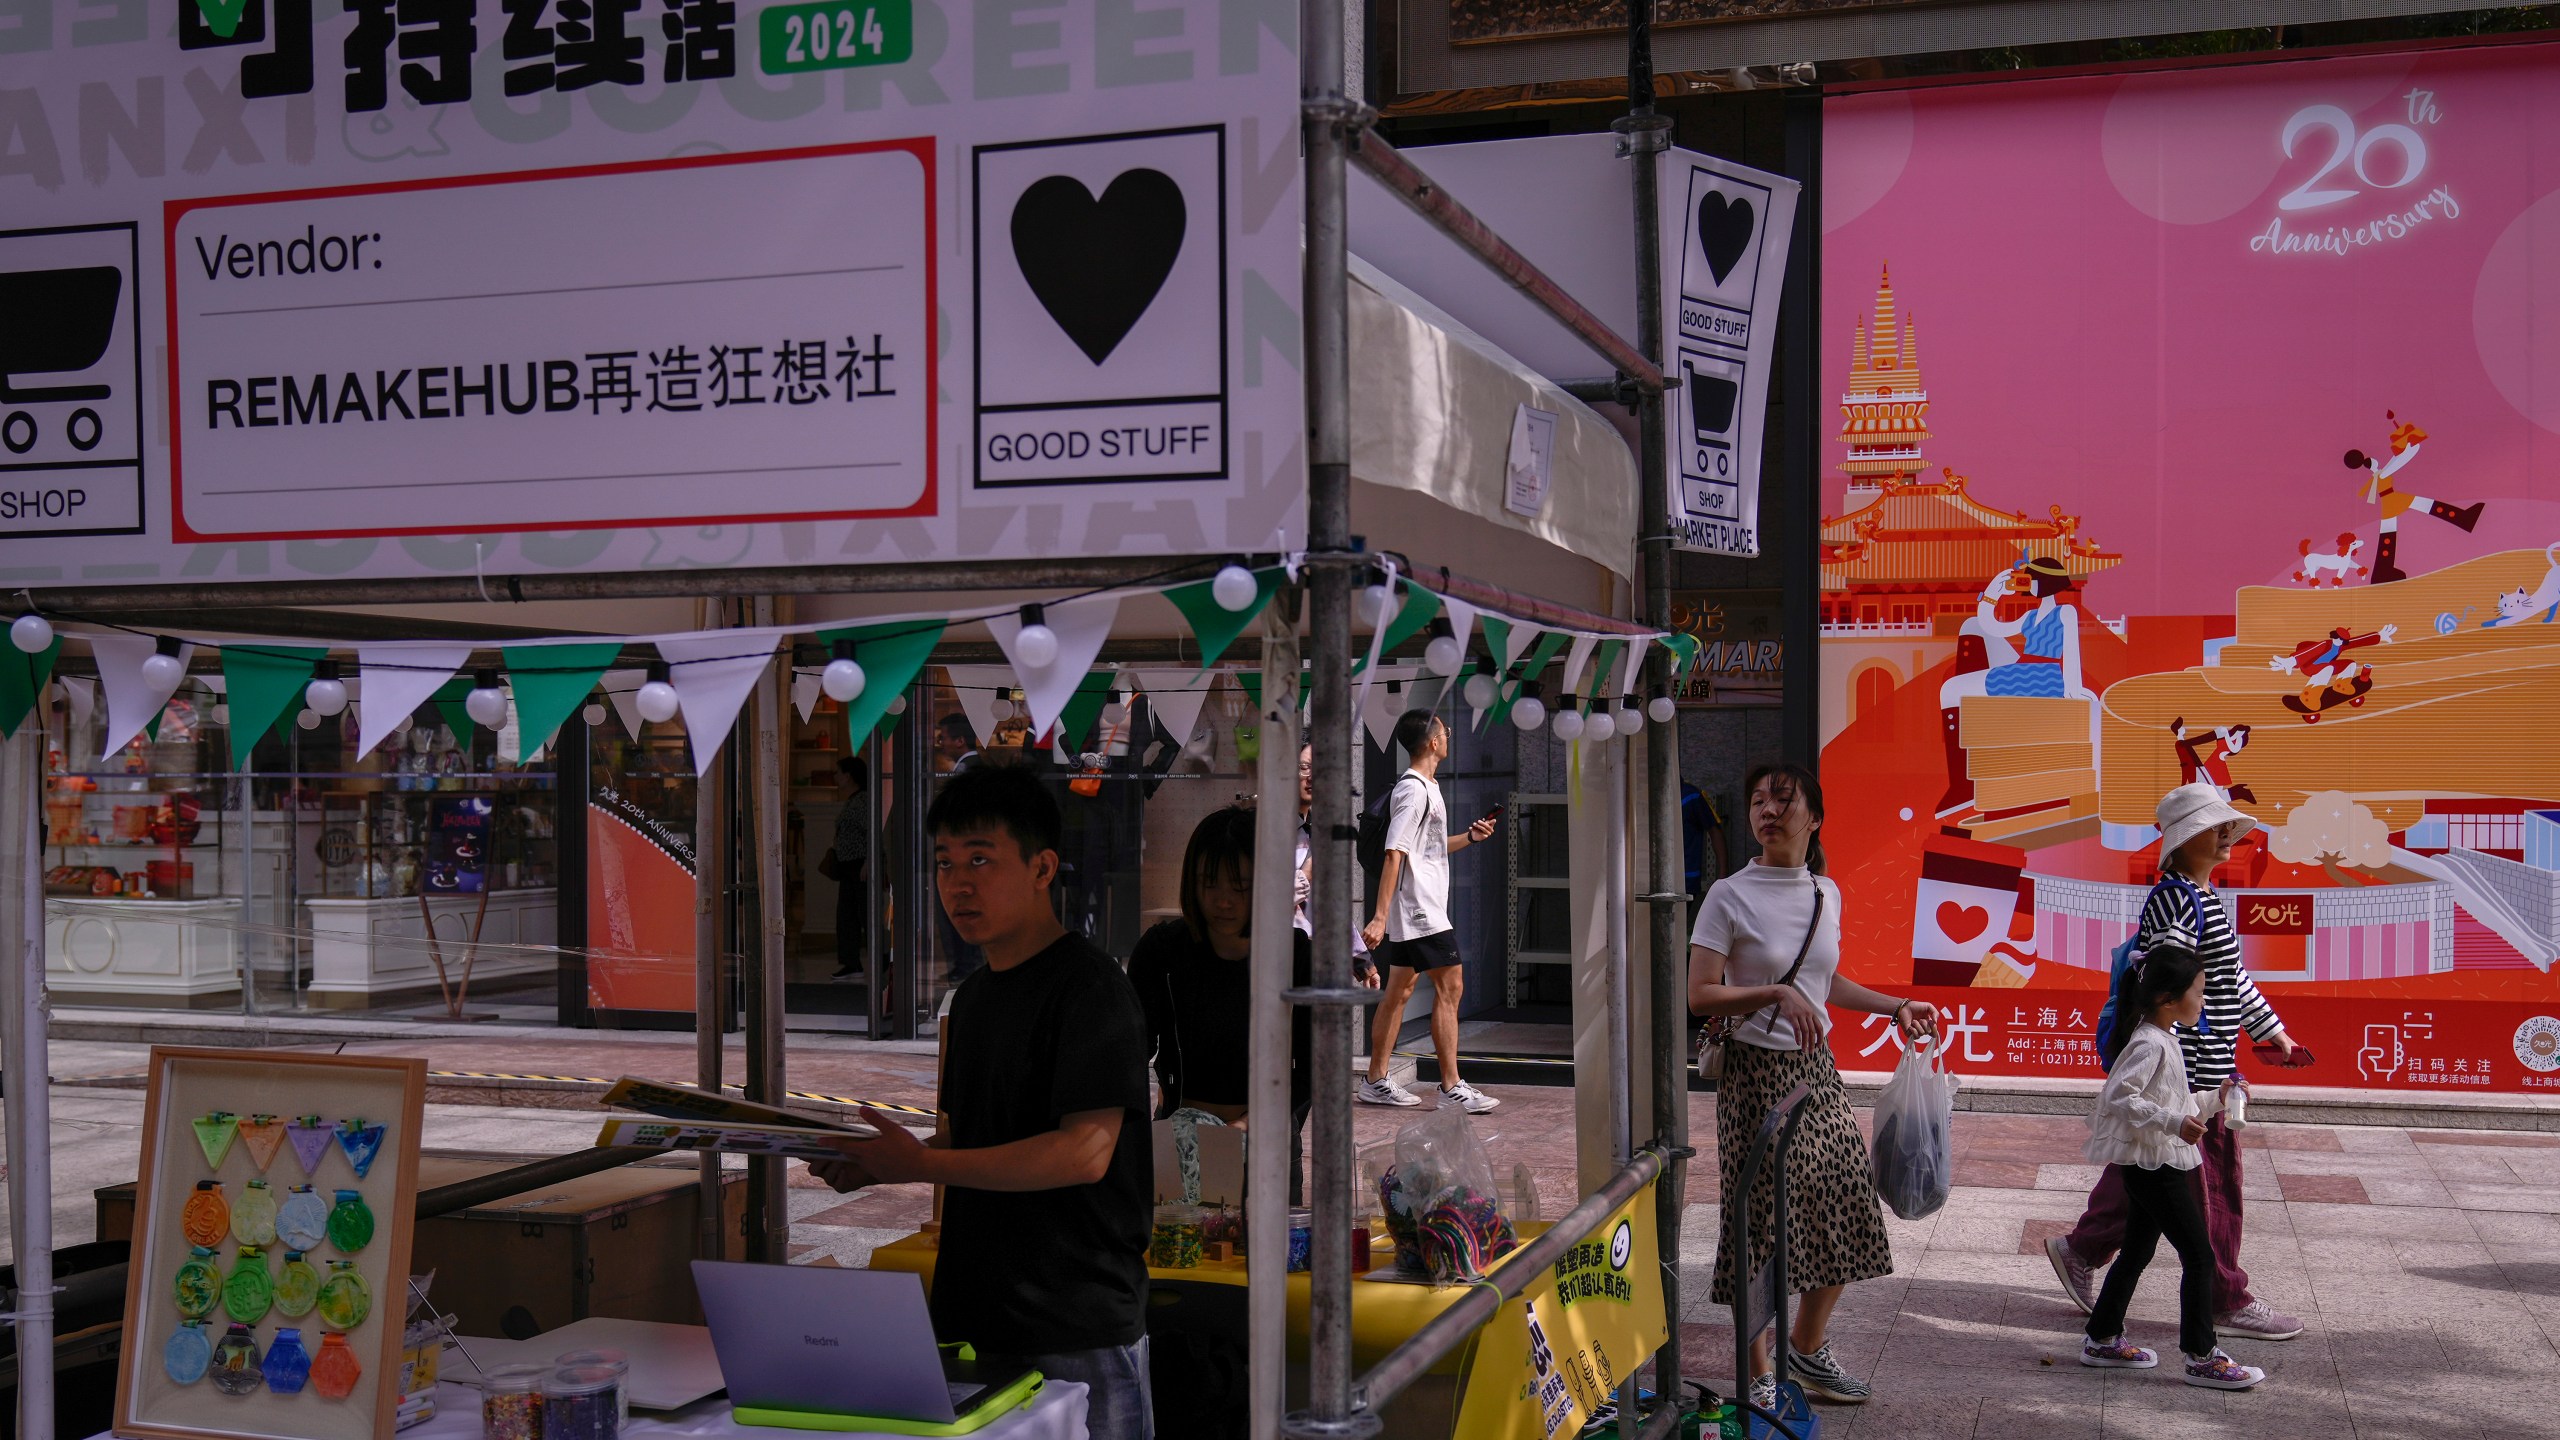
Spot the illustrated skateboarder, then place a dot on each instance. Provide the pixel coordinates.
(2378, 490)
(2329, 678)
(2208, 757)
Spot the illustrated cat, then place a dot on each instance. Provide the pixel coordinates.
(2515, 607)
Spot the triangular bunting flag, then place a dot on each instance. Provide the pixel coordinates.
(551, 683)
(1416, 611)
(1534, 664)
(81, 695)
(712, 673)
(890, 654)
(1387, 701)
(622, 692)
(1631, 677)
(1212, 624)
(805, 690)
(1175, 698)
(1075, 723)
(450, 701)
(397, 680)
(1684, 653)
(1497, 640)
(976, 687)
(263, 684)
(1577, 654)
(1603, 666)
(131, 702)
(1462, 622)
(22, 679)
(1081, 627)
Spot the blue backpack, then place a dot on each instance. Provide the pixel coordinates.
(2120, 960)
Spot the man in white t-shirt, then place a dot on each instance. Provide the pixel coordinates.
(1411, 933)
(1364, 968)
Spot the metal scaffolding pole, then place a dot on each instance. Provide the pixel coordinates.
(29, 1101)
(1644, 136)
(1328, 120)
(1275, 835)
(710, 909)
(768, 1177)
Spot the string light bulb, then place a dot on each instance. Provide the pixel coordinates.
(307, 718)
(1035, 644)
(1528, 712)
(1630, 715)
(593, 714)
(843, 678)
(1599, 729)
(1443, 655)
(31, 633)
(326, 694)
(487, 702)
(657, 699)
(1568, 721)
(1661, 709)
(1233, 587)
(1478, 690)
(164, 672)
(1374, 601)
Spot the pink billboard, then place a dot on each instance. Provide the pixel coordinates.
(2202, 424)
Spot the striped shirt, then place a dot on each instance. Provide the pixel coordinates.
(2231, 999)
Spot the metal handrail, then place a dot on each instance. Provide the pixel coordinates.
(1449, 1329)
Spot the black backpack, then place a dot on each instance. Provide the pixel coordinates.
(1369, 847)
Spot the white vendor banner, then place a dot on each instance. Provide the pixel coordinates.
(1722, 288)
(551, 285)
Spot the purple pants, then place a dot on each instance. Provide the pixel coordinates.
(2100, 1232)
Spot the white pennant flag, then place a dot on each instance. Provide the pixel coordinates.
(131, 700)
(622, 691)
(1462, 623)
(1386, 702)
(1081, 626)
(1631, 680)
(82, 697)
(1176, 697)
(976, 685)
(805, 690)
(1517, 641)
(1577, 655)
(713, 673)
(397, 680)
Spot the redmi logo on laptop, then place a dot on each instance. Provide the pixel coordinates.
(827, 1340)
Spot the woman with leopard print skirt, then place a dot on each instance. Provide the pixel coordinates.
(1751, 928)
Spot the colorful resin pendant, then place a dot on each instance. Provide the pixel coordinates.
(207, 1217)
(215, 1132)
(188, 1354)
(249, 1292)
(253, 1220)
(199, 1284)
(345, 1298)
(298, 1288)
(361, 1142)
(335, 1370)
(288, 1364)
(310, 1137)
(235, 1362)
(263, 1135)
(350, 1223)
(302, 1221)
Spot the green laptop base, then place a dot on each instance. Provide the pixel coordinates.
(985, 1412)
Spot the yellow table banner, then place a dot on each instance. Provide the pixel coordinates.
(1552, 1357)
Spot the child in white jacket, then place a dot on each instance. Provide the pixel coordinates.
(2146, 1125)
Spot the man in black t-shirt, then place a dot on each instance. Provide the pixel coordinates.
(1043, 1150)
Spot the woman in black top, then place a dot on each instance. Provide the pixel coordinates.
(1193, 979)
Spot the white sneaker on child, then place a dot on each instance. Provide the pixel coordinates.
(2218, 1371)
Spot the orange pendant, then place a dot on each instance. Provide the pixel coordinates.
(207, 1217)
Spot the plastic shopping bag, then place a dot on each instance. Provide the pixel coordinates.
(1914, 1155)
(1441, 1208)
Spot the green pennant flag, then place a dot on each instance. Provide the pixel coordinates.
(890, 654)
(22, 679)
(1684, 653)
(263, 684)
(1418, 608)
(1075, 722)
(1497, 635)
(449, 701)
(1212, 624)
(1531, 666)
(551, 683)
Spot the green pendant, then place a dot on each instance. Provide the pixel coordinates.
(199, 1284)
(345, 1298)
(350, 1223)
(215, 1132)
(298, 1288)
(249, 1292)
(253, 1219)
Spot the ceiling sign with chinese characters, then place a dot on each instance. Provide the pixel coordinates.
(538, 285)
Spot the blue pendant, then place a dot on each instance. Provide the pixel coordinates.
(188, 1354)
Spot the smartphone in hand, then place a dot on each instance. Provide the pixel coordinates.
(2271, 1055)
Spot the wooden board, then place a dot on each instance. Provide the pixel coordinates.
(1993, 721)
(186, 1083)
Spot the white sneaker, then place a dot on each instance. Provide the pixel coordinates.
(1384, 1092)
(2259, 1321)
(1764, 1396)
(1467, 1097)
(2079, 1278)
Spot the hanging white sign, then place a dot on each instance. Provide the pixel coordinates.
(514, 286)
(1722, 291)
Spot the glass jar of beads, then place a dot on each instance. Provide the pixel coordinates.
(604, 1359)
(582, 1403)
(511, 1402)
(1177, 1241)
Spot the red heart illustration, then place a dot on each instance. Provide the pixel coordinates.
(1961, 923)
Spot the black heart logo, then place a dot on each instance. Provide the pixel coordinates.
(1724, 228)
(1096, 265)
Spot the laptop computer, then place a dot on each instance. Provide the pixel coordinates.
(809, 1347)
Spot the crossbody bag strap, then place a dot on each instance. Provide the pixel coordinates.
(1810, 930)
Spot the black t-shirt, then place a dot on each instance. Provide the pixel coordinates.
(1197, 1007)
(1040, 1271)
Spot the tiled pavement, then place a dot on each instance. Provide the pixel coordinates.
(2426, 1262)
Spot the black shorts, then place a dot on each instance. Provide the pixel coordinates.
(1430, 952)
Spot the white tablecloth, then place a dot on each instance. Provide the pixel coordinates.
(1058, 1414)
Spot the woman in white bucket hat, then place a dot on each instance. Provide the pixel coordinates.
(2197, 830)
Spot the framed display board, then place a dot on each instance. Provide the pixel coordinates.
(270, 1246)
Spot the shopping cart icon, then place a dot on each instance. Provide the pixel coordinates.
(56, 322)
(1712, 401)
